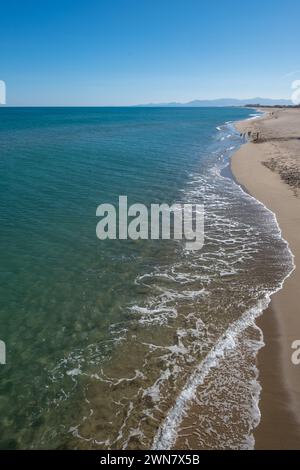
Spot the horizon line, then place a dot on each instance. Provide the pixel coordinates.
(160, 104)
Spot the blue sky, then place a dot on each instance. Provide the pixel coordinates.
(119, 52)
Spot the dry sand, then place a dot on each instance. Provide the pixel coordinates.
(269, 168)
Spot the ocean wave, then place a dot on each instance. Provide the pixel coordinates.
(169, 430)
(193, 304)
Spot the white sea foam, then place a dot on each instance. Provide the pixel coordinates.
(230, 243)
(168, 431)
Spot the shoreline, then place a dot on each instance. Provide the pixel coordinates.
(265, 167)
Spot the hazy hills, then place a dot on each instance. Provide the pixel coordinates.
(220, 102)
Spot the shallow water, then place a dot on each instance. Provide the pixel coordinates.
(123, 344)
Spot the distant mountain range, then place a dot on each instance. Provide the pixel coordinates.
(220, 102)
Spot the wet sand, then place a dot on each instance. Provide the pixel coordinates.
(269, 168)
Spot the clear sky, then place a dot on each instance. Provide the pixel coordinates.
(118, 52)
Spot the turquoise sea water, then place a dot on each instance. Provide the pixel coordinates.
(103, 336)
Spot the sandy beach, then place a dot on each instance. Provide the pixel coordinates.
(268, 166)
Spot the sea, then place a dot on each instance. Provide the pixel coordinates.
(129, 344)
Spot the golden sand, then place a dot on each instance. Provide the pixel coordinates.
(268, 166)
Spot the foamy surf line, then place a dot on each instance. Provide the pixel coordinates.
(167, 433)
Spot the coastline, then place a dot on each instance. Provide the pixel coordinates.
(266, 167)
